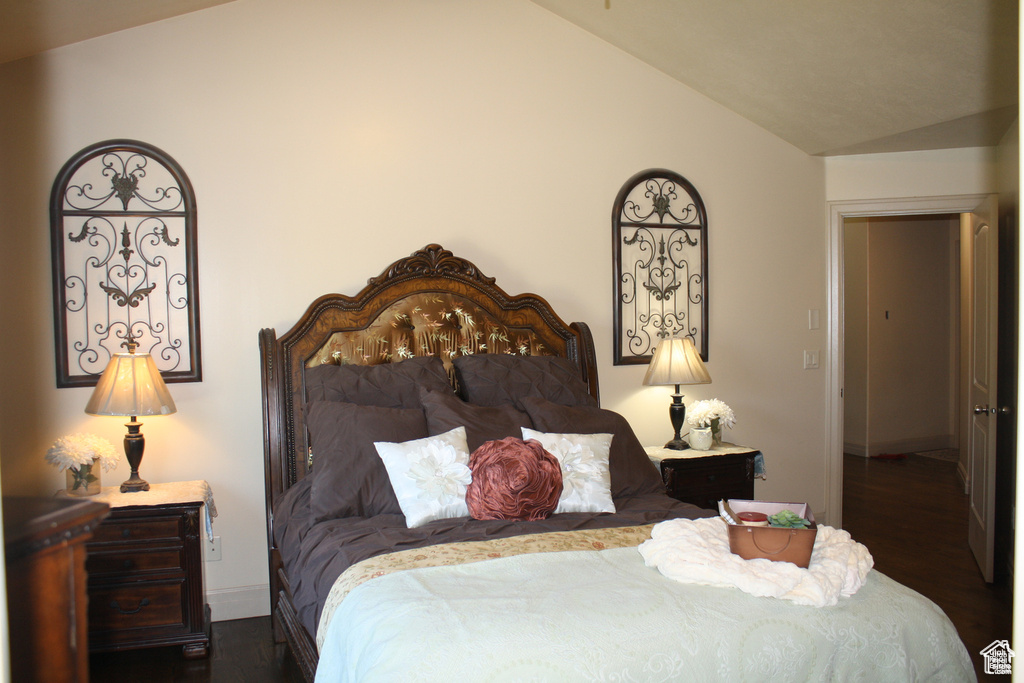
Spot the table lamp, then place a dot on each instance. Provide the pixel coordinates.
(677, 362)
(130, 386)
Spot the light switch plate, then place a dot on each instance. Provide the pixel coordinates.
(811, 360)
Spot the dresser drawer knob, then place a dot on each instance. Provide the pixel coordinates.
(142, 603)
(711, 477)
(126, 532)
(128, 564)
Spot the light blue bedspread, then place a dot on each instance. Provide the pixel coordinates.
(604, 616)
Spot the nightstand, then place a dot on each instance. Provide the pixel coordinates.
(145, 566)
(705, 477)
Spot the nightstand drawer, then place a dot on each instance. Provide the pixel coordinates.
(725, 475)
(123, 563)
(703, 481)
(152, 529)
(138, 605)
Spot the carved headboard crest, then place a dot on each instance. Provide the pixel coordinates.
(433, 259)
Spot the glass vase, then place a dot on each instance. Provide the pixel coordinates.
(716, 433)
(84, 480)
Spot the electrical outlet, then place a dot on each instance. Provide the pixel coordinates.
(213, 549)
(811, 360)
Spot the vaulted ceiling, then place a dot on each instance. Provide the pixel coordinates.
(31, 26)
(831, 76)
(828, 76)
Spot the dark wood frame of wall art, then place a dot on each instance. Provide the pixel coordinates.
(697, 224)
(188, 212)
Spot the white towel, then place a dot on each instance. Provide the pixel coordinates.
(697, 551)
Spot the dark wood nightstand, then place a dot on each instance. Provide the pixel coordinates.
(145, 565)
(705, 479)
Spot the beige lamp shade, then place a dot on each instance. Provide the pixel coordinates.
(676, 361)
(131, 385)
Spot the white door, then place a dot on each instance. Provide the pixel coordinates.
(979, 291)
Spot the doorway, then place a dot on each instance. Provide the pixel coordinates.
(902, 336)
(835, 369)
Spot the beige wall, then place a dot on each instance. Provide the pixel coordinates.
(931, 173)
(325, 139)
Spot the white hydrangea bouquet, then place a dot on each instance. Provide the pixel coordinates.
(711, 413)
(78, 455)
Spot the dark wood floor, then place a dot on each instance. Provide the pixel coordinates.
(912, 516)
(242, 651)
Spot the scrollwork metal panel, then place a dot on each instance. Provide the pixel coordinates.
(660, 258)
(123, 219)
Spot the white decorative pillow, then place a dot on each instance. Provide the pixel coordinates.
(586, 480)
(429, 475)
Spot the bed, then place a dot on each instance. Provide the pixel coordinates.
(371, 582)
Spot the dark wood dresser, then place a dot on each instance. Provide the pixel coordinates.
(706, 479)
(45, 547)
(146, 580)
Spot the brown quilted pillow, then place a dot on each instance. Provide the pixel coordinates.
(513, 479)
(494, 379)
(483, 423)
(349, 478)
(390, 385)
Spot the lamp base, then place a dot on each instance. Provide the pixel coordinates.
(677, 413)
(134, 445)
(134, 483)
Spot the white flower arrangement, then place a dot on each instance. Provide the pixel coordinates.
(71, 452)
(704, 414)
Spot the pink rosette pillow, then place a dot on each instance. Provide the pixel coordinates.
(513, 479)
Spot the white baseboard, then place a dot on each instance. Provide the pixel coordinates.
(926, 443)
(241, 602)
(855, 449)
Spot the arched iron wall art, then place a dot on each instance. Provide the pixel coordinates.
(660, 258)
(123, 221)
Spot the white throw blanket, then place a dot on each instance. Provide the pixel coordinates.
(697, 551)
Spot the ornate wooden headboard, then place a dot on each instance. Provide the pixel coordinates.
(428, 303)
